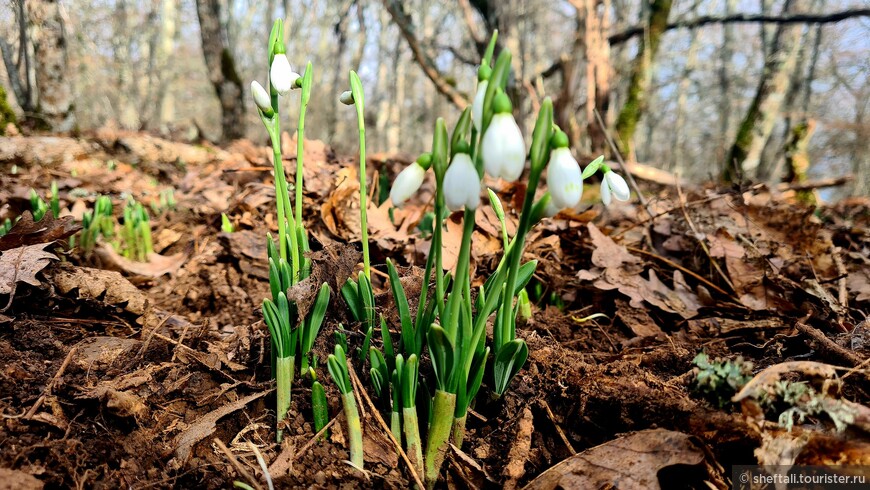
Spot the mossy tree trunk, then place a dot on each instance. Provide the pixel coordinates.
(797, 158)
(641, 71)
(7, 116)
(222, 69)
(744, 156)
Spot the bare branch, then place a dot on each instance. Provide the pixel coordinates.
(629, 33)
(423, 58)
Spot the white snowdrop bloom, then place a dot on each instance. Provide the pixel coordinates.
(551, 209)
(407, 183)
(503, 149)
(281, 74)
(564, 180)
(477, 105)
(261, 97)
(613, 184)
(461, 184)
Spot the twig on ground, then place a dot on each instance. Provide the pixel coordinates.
(558, 427)
(828, 346)
(687, 271)
(697, 236)
(52, 383)
(263, 466)
(362, 393)
(235, 462)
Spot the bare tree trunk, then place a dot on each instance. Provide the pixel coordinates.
(798, 158)
(638, 88)
(725, 58)
(221, 69)
(54, 107)
(744, 156)
(678, 161)
(125, 112)
(165, 48)
(598, 70)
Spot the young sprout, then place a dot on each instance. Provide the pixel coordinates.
(226, 224)
(337, 365)
(37, 206)
(55, 199)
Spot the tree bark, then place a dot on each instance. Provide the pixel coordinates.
(744, 156)
(221, 69)
(641, 70)
(54, 107)
(598, 71)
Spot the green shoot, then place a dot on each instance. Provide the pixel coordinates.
(226, 224)
(337, 365)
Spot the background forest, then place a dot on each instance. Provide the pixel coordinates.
(682, 85)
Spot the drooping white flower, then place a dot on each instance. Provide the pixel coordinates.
(563, 179)
(281, 74)
(261, 97)
(613, 184)
(407, 183)
(503, 149)
(461, 184)
(477, 105)
(551, 209)
(346, 97)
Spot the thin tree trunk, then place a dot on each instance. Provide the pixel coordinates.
(598, 71)
(725, 63)
(744, 156)
(678, 161)
(221, 69)
(641, 73)
(55, 95)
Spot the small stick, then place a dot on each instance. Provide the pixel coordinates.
(829, 346)
(558, 427)
(698, 237)
(313, 440)
(384, 425)
(50, 385)
(262, 463)
(687, 271)
(235, 462)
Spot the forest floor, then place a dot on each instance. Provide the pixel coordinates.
(156, 374)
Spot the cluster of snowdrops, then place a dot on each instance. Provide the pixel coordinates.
(425, 403)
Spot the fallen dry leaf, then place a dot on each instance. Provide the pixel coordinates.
(628, 463)
(156, 266)
(95, 284)
(21, 265)
(46, 230)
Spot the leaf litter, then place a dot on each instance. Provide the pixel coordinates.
(171, 353)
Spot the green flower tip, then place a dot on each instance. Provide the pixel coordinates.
(501, 104)
(483, 73)
(461, 147)
(559, 140)
(425, 160)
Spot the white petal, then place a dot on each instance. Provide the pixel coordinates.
(503, 149)
(563, 179)
(346, 97)
(407, 183)
(461, 184)
(477, 105)
(605, 192)
(261, 97)
(618, 185)
(281, 74)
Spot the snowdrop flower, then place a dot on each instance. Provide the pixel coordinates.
(613, 184)
(461, 183)
(563, 175)
(261, 97)
(346, 97)
(281, 75)
(503, 149)
(551, 209)
(409, 180)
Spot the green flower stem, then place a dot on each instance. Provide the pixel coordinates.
(147, 244)
(439, 435)
(412, 438)
(459, 429)
(435, 247)
(462, 273)
(359, 104)
(284, 377)
(396, 423)
(280, 189)
(354, 428)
